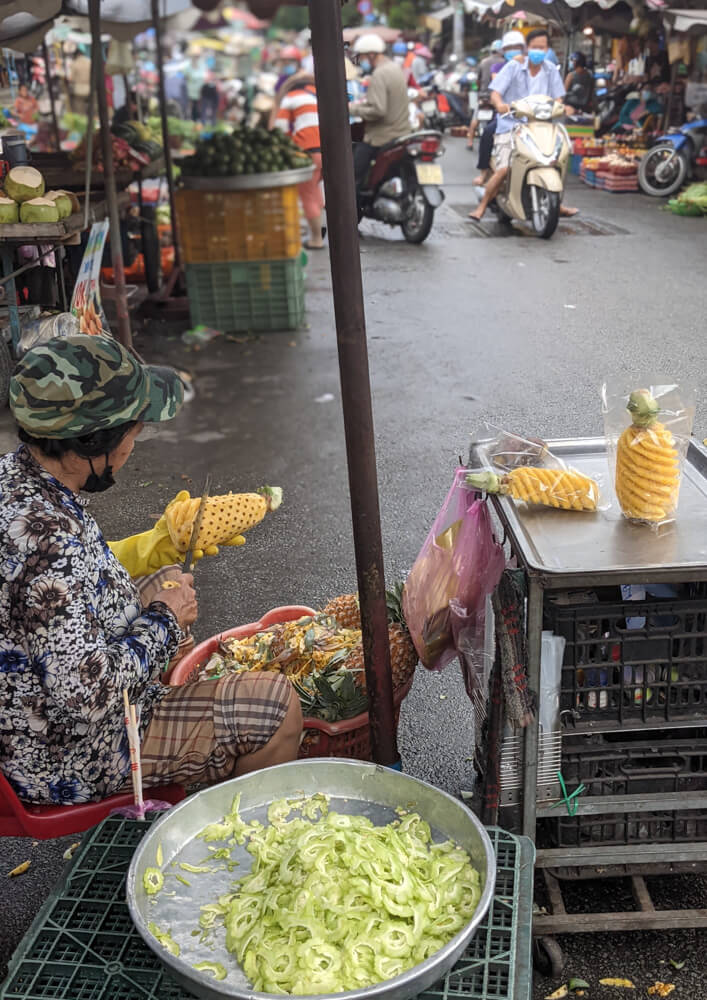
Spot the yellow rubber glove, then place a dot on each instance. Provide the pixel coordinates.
(151, 550)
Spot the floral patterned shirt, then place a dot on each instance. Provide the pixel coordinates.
(73, 635)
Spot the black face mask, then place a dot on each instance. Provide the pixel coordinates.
(99, 483)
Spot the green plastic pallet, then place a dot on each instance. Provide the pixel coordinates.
(83, 945)
(239, 297)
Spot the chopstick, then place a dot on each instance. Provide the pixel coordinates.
(134, 744)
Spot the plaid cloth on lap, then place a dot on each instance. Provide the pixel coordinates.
(199, 730)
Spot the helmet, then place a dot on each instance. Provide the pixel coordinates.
(470, 61)
(511, 39)
(365, 44)
(290, 52)
(399, 48)
(496, 45)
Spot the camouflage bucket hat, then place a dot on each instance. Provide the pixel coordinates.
(76, 385)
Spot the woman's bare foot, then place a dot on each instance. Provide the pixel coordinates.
(476, 215)
(568, 212)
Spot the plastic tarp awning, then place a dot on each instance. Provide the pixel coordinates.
(686, 20)
(122, 19)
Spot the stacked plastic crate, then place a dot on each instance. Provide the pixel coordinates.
(633, 698)
(243, 256)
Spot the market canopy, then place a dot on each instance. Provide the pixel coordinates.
(122, 19)
(686, 20)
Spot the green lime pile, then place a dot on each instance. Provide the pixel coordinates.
(245, 151)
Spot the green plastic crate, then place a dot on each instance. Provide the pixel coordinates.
(83, 945)
(239, 297)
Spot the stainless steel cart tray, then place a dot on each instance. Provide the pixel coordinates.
(355, 788)
(603, 543)
(249, 182)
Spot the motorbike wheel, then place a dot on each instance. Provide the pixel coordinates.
(418, 221)
(662, 171)
(547, 216)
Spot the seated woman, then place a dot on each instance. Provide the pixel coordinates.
(639, 111)
(73, 631)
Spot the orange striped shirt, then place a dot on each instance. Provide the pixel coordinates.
(298, 117)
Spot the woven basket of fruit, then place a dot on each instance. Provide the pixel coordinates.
(322, 654)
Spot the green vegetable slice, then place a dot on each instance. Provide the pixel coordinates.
(336, 903)
(215, 968)
(164, 937)
(153, 881)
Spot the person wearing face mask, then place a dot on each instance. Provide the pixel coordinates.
(290, 63)
(518, 79)
(76, 631)
(385, 108)
(639, 110)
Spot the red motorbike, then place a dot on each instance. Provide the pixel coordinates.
(403, 186)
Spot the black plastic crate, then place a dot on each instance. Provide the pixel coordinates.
(612, 764)
(617, 764)
(616, 673)
(663, 826)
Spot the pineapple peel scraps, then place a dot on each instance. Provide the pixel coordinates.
(622, 984)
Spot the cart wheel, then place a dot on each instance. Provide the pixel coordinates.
(548, 957)
(7, 366)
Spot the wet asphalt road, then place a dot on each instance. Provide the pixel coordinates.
(472, 325)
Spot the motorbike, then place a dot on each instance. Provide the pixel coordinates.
(445, 102)
(675, 158)
(609, 103)
(403, 186)
(533, 187)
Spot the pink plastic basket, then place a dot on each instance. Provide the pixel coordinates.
(188, 667)
(348, 738)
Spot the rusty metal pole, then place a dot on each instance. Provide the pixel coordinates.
(50, 91)
(116, 247)
(328, 50)
(165, 132)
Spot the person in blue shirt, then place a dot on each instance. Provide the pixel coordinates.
(519, 79)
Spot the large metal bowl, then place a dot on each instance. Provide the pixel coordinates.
(355, 788)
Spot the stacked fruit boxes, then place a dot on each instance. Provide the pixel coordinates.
(243, 251)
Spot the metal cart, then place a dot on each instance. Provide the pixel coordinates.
(632, 698)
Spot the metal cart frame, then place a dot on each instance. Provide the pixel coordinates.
(606, 860)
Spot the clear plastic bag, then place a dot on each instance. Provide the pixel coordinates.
(445, 592)
(647, 427)
(502, 449)
(525, 469)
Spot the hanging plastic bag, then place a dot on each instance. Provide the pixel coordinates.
(647, 435)
(445, 593)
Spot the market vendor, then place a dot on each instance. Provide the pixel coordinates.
(73, 631)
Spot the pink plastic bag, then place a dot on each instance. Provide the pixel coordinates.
(445, 593)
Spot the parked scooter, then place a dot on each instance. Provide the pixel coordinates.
(403, 186)
(536, 176)
(675, 158)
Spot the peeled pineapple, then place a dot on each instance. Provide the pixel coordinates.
(647, 463)
(225, 517)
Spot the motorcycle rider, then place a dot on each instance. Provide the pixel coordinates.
(517, 80)
(384, 109)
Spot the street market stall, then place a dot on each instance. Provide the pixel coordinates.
(606, 775)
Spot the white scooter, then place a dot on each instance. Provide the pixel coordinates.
(533, 188)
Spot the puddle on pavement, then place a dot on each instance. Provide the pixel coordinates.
(580, 225)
